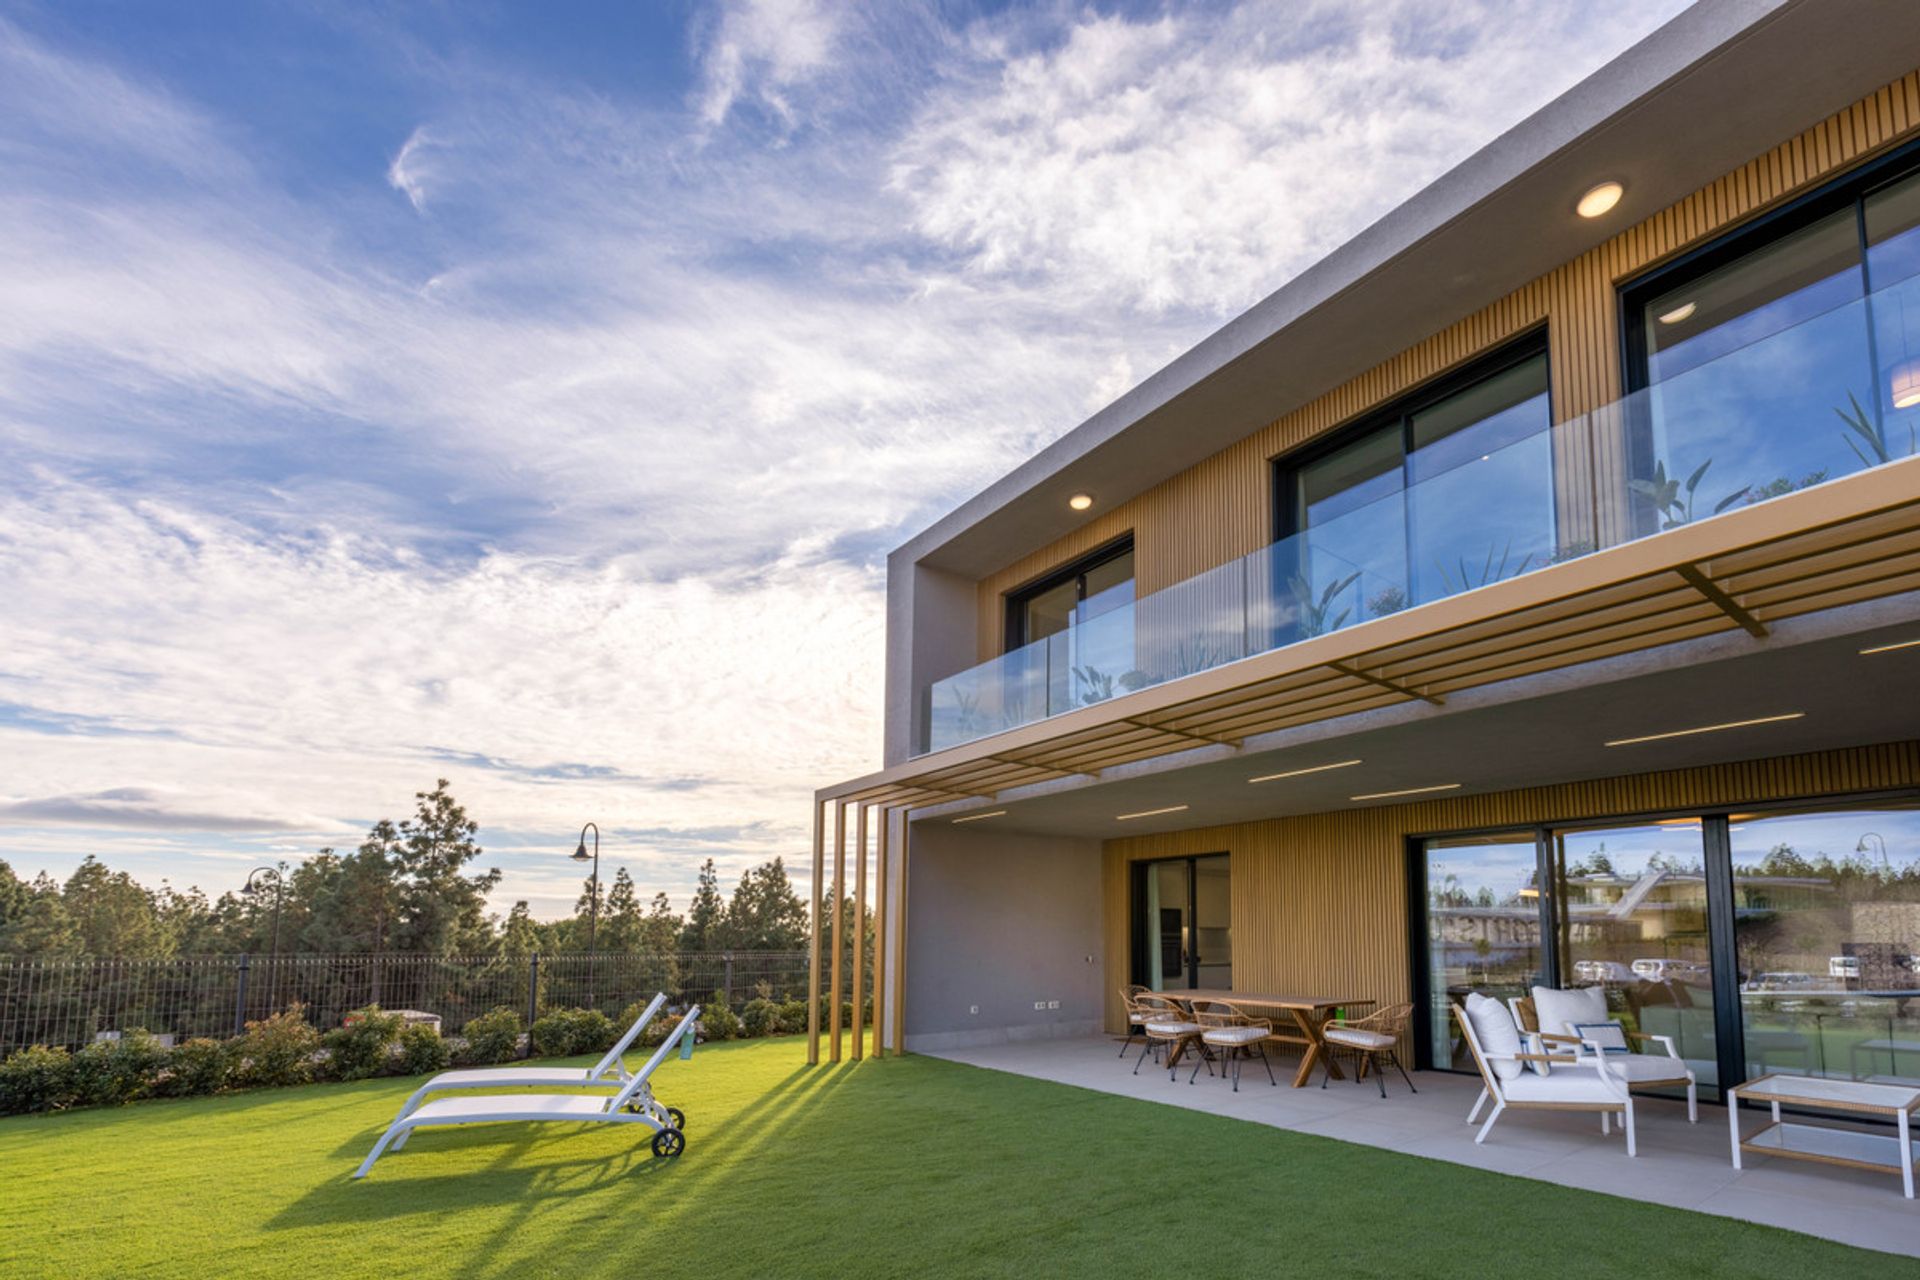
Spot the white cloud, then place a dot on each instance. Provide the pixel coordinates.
(762, 49)
(407, 172)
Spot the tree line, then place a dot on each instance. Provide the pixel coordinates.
(411, 887)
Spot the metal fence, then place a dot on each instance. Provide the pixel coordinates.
(70, 1002)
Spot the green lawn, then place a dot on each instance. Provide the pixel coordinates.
(909, 1166)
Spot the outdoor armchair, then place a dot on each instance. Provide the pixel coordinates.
(1368, 1039)
(1576, 1084)
(1168, 1027)
(1136, 1018)
(608, 1075)
(634, 1104)
(1235, 1035)
(1568, 1022)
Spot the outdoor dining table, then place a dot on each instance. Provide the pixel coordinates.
(1309, 1014)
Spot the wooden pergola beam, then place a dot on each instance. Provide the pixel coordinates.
(1721, 600)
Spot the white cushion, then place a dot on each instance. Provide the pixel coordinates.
(1357, 1039)
(1173, 1028)
(1499, 1038)
(1559, 1010)
(1568, 1084)
(1234, 1035)
(1648, 1068)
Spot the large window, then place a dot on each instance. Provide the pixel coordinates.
(1786, 940)
(1084, 590)
(1448, 490)
(1778, 359)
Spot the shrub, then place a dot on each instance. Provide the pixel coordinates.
(422, 1051)
(793, 1017)
(492, 1037)
(760, 1017)
(108, 1073)
(198, 1067)
(363, 1045)
(656, 1031)
(36, 1079)
(561, 1033)
(277, 1050)
(718, 1022)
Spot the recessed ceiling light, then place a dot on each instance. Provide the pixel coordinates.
(1889, 648)
(1080, 501)
(1706, 728)
(1149, 813)
(1295, 773)
(975, 817)
(1599, 199)
(1410, 791)
(1678, 314)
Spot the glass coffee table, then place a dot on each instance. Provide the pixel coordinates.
(1806, 1138)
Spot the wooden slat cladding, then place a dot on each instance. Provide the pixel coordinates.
(1221, 508)
(1320, 900)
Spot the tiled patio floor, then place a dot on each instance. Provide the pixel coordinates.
(1684, 1165)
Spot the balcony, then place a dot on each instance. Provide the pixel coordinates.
(1779, 408)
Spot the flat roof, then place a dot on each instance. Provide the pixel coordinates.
(1501, 218)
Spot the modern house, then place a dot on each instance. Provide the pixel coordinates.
(1528, 592)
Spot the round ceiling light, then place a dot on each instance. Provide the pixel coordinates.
(1599, 199)
(1080, 501)
(1678, 314)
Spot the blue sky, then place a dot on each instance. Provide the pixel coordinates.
(528, 395)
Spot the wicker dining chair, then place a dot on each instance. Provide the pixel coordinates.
(1168, 1026)
(1234, 1035)
(1136, 1017)
(1368, 1040)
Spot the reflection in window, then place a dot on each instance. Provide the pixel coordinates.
(1483, 930)
(1827, 927)
(1631, 915)
(1780, 370)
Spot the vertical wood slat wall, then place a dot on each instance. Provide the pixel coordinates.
(1220, 509)
(1319, 901)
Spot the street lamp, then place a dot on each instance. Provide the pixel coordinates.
(593, 898)
(279, 882)
(1863, 847)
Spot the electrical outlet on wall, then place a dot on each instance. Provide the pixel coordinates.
(1053, 1004)
(973, 1008)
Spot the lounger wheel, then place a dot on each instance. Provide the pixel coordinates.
(669, 1142)
(678, 1117)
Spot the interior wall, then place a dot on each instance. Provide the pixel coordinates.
(1221, 509)
(999, 923)
(1320, 900)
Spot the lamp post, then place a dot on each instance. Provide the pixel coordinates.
(593, 899)
(279, 881)
(1863, 847)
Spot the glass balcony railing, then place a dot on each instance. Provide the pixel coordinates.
(1829, 395)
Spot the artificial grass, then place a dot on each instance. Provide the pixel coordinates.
(909, 1166)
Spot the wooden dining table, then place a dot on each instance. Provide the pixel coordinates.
(1308, 1013)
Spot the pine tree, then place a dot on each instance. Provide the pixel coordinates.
(765, 913)
(621, 924)
(705, 926)
(660, 931)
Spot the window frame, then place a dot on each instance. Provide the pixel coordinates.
(1283, 468)
(1013, 608)
(1849, 189)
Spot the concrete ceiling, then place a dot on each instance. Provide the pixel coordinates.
(1723, 82)
(1531, 735)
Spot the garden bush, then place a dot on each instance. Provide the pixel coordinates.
(422, 1051)
(793, 1017)
(277, 1050)
(363, 1045)
(491, 1037)
(36, 1079)
(760, 1017)
(108, 1073)
(717, 1022)
(561, 1033)
(196, 1068)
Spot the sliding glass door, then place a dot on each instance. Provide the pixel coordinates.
(1786, 940)
(1483, 929)
(1182, 923)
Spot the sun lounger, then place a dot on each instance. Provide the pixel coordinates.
(608, 1074)
(634, 1104)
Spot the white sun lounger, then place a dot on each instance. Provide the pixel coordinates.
(634, 1104)
(608, 1074)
